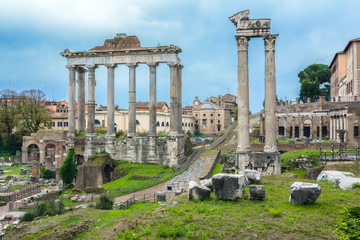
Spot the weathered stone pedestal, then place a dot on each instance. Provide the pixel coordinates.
(267, 163)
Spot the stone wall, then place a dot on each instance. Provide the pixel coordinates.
(283, 147)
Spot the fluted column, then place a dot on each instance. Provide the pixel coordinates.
(331, 128)
(81, 99)
(320, 129)
(301, 126)
(345, 128)
(132, 99)
(270, 95)
(110, 130)
(173, 99)
(336, 127)
(152, 105)
(293, 128)
(179, 98)
(311, 127)
(91, 100)
(72, 104)
(243, 95)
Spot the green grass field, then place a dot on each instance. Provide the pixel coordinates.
(274, 218)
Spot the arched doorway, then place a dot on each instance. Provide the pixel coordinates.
(33, 152)
(50, 156)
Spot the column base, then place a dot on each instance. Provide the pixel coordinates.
(270, 149)
(70, 140)
(243, 149)
(131, 135)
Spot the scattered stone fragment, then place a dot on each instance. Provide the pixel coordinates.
(302, 193)
(207, 183)
(313, 173)
(257, 192)
(345, 180)
(197, 191)
(228, 186)
(252, 175)
(160, 196)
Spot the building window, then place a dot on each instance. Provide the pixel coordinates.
(53, 124)
(66, 124)
(218, 121)
(167, 124)
(182, 124)
(356, 131)
(162, 124)
(211, 121)
(196, 121)
(211, 115)
(204, 115)
(57, 110)
(196, 115)
(157, 124)
(204, 122)
(192, 124)
(185, 124)
(59, 124)
(218, 114)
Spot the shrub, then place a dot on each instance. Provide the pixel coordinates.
(50, 196)
(68, 169)
(348, 223)
(104, 203)
(356, 185)
(28, 217)
(100, 131)
(47, 174)
(275, 212)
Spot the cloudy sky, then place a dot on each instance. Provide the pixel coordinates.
(33, 33)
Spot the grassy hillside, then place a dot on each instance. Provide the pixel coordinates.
(273, 218)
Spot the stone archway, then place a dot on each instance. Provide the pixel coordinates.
(50, 150)
(33, 152)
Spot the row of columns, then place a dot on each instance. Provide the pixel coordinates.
(175, 99)
(301, 133)
(243, 95)
(337, 122)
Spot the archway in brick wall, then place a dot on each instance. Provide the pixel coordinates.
(33, 152)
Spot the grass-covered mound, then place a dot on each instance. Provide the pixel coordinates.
(274, 218)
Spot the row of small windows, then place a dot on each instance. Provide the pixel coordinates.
(186, 124)
(211, 115)
(60, 124)
(65, 110)
(204, 121)
(162, 124)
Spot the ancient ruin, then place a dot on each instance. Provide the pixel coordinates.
(125, 49)
(267, 162)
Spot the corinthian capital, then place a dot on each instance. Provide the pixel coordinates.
(269, 42)
(131, 65)
(242, 43)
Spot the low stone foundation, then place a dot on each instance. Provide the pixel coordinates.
(263, 162)
(158, 150)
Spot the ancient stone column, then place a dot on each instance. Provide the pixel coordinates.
(277, 127)
(331, 128)
(91, 99)
(285, 127)
(132, 99)
(243, 95)
(301, 126)
(81, 99)
(72, 105)
(270, 95)
(293, 128)
(345, 128)
(337, 127)
(110, 100)
(173, 99)
(320, 128)
(341, 122)
(179, 98)
(152, 104)
(311, 127)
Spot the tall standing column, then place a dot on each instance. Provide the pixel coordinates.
(293, 127)
(331, 128)
(91, 99)
(320, 128)
(179, 98)
(72, 104)
(110, 130)
(301, 126)
(277, 127)
(270, 95)
(81, 99)
(337, 127)
(152, 105)
(311, 127)
(132, 99)
(285, 127)
(345, 128)
(173, 99)
(243, 95)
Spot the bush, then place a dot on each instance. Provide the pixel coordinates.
(356, 185)
(47, 174)
(348, 223)
(68, 169)
(28, 217)
(104, 203)
(275, 212)
(50, 196)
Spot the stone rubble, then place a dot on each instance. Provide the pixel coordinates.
(302, 193)
(257, 192)
(228, 186)
(197, 191)
(345, 180)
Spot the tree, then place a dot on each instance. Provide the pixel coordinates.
(68, 169)
(320, 72)
(309, 89)
(236, 114)
(33, 114)
(8, 112)
(325, 90)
